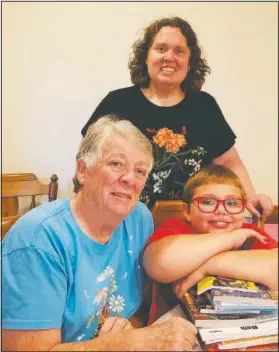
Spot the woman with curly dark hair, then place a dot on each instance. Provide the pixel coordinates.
(184, 123)
(198, 67)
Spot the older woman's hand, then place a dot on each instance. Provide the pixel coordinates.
(115, 324)
(262, 201)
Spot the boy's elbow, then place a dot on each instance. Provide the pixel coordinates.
(156, 264)
(270, 275)
(273, 284)
(272, 281)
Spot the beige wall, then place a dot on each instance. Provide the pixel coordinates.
(60, 59)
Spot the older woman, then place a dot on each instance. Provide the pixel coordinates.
(166, 103)
(72, 269)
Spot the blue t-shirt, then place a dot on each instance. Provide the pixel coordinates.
(55, 276)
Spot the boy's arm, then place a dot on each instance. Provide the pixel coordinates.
(173, 257)
(255, 265)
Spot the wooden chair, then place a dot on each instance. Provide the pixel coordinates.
(6, 223)
(165, 209)
(15, 186)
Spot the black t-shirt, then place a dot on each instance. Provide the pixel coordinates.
(199, 133)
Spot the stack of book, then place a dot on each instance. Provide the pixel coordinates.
(233, 315)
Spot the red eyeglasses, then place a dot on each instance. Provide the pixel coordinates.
(210, 204)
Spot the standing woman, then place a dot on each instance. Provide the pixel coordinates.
(185, 124)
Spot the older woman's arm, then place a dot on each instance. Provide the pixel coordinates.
(231, 159)
(255, 265)
(173, 335)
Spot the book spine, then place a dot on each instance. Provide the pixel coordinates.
(188, 307)
(268, 347)
(253, 341)
(239, 336)
(221, 334)
(197, 315)
(261, 294)
(244, 300)
(268, 326)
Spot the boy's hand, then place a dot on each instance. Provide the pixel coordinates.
(115, 324)
(239, 236)
(181, 286)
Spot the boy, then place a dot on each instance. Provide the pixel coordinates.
(213, 241)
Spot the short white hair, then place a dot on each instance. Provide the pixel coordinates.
(92, 145)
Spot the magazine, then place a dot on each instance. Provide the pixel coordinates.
(213, 282)
(260, 294)
(210, 304)
(223, 311)
(213, 320)
(259, 297)
(206, 305)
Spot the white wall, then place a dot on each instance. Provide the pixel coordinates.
(60, 59)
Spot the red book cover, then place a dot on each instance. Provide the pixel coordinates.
(267, 347)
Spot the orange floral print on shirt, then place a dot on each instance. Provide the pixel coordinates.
(174, 162)
(167, 138)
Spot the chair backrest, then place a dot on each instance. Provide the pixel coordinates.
(6, 223)
(165, 209)
(15, 186)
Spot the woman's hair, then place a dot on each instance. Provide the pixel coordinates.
(208, 175)
(92, 145)
(198, 66)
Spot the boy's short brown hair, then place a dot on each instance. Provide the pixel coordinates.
(211, 174)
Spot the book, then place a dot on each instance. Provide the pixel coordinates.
(224, 300)
(213, 320)
(265, 347)
(213, 282)
(230, 311)
(253, 341)
(260, 297)
(230, 333)
(262, 293)
(274, 295)
(224, 306)
(206, 305)
(223, 310)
